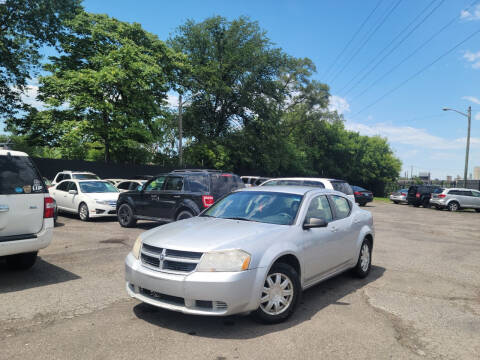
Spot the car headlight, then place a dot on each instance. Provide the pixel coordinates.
(136, 248)
(102, 202)
(228, 260)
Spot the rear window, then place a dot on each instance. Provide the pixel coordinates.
(343, 187)
(224, 183)
(85, 177)
(18, 175)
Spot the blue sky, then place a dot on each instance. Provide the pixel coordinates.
(422, 135)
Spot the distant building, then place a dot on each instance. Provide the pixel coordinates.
(449, 178)
(476, 173)
(425, 176)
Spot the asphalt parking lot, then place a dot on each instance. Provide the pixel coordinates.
(421, 300)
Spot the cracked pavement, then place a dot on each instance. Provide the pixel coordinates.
(421, 301)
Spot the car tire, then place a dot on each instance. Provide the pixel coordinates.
(477, 210)
(395, 202)
(438, 207)
(453, 206)
(292, 289)
(426, 203)
(364, 262)
(362, 204)
(184, 214)
(83, 212)
(125, 216)
(21, 261)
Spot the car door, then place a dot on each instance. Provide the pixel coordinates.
(71, 200)
(345, 231)
(163, 207)
(59, 193)
(476, 199)
(318, 244)
(146, 201)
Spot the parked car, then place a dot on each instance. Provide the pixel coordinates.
(399, 196)
(255, 250)
(74, 175)
(47, 182)
(129, 185)
(115, 182)
(362, 196)
(334, 184)
(420, 194)
(178, 195)
(87, 198)
(456, 199)
(253, 180)
(26, 210)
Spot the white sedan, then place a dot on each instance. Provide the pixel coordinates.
(87, 198)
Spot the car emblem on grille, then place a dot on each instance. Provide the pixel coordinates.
(161, 257)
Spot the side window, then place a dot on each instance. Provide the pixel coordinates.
(453, 192)
(476, 193)
(133, 185)
(124, 185)
(63, 186)
(342, 187)
(319, 208)
(66, 176)
(313, 183)
(466, 193)
(198, 183)
(174, 183)
(71, 186)
(59, 178)
(342, 206)
(156, 184)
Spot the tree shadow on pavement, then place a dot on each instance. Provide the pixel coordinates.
(41, 274)
(314, 300)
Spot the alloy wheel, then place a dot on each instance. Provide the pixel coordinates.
(277, 294)
(365, 257)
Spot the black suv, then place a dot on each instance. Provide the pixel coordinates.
(178, 195)
(421, 194)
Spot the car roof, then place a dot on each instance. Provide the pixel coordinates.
(463, 189)
(12, 153)
(306, 178)
(76, 172)
(297, 190)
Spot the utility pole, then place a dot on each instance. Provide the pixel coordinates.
(469, 116)
(180, 130)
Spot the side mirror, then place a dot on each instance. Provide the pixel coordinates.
(314, 223)
(73, 192)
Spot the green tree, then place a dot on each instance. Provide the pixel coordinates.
(114, 76)
(25, 26)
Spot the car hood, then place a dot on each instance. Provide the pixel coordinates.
(103, 196)
(206, 234)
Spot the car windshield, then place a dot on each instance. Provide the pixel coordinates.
(97, 187)
(265, 207)
(85, 176)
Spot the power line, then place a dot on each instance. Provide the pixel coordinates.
(419, 72)
(381, 60)
(352, 39)
(406, 58)
(385, 18)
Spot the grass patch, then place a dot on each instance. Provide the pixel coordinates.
(382, 199)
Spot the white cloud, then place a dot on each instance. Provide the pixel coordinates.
(406, 135)
(29, 96)
(473, 99)
(172, 100)
(471, 15)
(473, 58)
(477, 116)
(339, 104)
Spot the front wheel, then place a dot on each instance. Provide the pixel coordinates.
(280, 294)
(125, 216)
(364, 263)
(83, 212)
(21, 261)
(453, 206)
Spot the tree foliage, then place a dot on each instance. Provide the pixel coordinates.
(25, 26)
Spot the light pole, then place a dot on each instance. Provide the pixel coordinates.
(468, 115)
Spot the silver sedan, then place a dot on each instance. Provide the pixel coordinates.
(254, 251)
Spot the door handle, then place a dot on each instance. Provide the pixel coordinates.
(356, 221)
(333, 229)
(4, 208)
(176, 196)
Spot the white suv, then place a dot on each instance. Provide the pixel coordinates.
(78, 175)
(26, 210)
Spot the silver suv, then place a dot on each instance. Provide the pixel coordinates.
(456, 199)
(26, 210)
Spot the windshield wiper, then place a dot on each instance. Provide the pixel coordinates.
(239, 218)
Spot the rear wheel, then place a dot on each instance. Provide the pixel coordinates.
(477, 210)
(364, 263)
(21, 261)
(362, 204)
(125, 216)
(453, 206)
(395, 202)
(279, 296)
(184, 214)
(426, 203)
(83, 212)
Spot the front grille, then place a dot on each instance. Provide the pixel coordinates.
(221, 305)
(111, 212)
(169, 260)
(204, 304)
(112, 203)
(163, 297)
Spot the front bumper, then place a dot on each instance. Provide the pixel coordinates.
(438, 202)
(199, 293)
(100, 210)
(398, 198)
